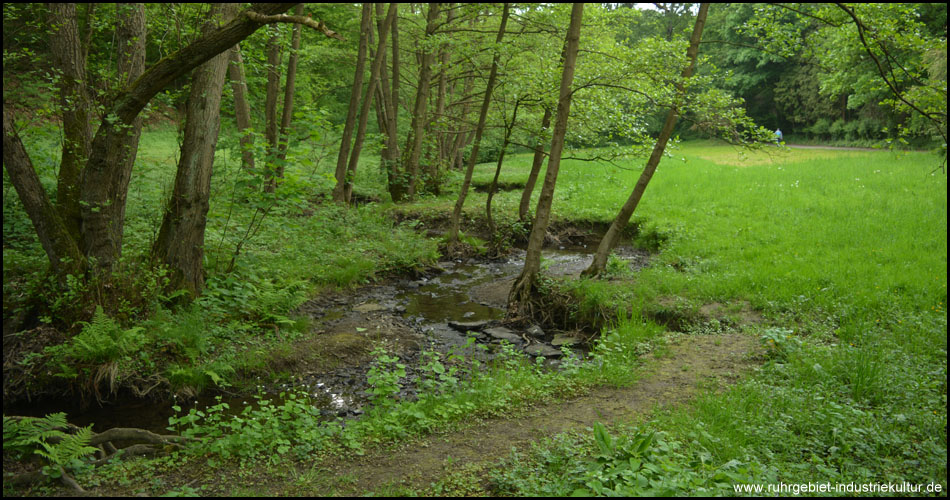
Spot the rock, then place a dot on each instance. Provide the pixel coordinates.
(562, 339)
(535, 331)
(465, 326)
(468, 314)
(502, 333)
(400, 309)
(542, 350)
(368, 307)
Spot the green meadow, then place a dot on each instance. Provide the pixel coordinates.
(844, 253)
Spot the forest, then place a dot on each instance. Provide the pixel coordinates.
(490, 249)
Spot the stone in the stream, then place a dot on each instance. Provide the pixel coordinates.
(542, 350)
(465, 326)
(535, 331)
(502, 333)
(468, 315)
(562, 339)
(368, 307)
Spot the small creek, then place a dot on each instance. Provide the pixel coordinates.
(432, 312)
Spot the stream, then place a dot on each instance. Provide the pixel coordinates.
(435, 313)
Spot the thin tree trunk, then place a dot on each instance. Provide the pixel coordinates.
(289, 88)
(535, 167)
(395, 178)
(69, 55)
(419, 113)
(355, 92)
(482, 117)
(242, 108)
(519, 299)
(270, 108)
(462, 137)
(365, 105)
(180, 243)
(432, 173)
(599, 263)
(501, 158)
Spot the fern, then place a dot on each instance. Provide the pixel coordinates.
(69, 451)
(45, 437)
(102, 340)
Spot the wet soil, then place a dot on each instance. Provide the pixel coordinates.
(669, 377)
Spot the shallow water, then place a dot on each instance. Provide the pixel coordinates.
(428, 304)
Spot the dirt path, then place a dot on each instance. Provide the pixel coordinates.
(670, 376)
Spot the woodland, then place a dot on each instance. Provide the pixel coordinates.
(410, 249)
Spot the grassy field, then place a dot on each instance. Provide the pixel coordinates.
(842, 253)
(845, 255)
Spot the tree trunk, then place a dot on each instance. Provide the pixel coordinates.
(131, 65)
(355, 92)
(535, 167)
(519, 299)
(391, 156)
(289, 88)
(419, 113)
(599, 263)
(180, 243)
(462, 137)
(105, 180)
(483, 115)
(59, 245)
(242, 109)
(102, 177)
(365, 105)
(432, 173)
(270, 108)
(69, 55)
(501, 158)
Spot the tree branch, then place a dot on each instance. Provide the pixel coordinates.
(861, 29)
(284, 18)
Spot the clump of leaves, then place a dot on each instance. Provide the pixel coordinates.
(779, 343)
(384, 377)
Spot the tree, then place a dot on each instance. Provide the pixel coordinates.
(106, 171)
(343, 191)
(366, 19)
(875, 61)
(479, 130)
(180, 242)
(242, 108)
(519, 299)
(387, 107)
(413, 150)
(609, 239)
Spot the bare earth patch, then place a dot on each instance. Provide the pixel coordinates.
(671, 376)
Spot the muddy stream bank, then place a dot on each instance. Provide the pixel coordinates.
(436, 312)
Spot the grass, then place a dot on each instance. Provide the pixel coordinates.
(847, 251)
